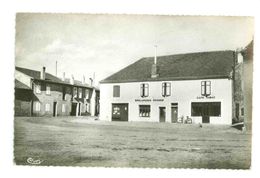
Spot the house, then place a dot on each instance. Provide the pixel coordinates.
(197, 86)
(52, 96)
(243, 79)
(23, 99)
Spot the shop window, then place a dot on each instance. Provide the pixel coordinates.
(144, 110)
(166, 89)
(205, 88)
(206, 109)
(116, 91)
(144, 92)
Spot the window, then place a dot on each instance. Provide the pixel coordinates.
(63, 109)
(64, 93)
(87, 94)
(116, 91)
(205, 88)
(206, 109)
(166, 89)
(75, 92)
(37, 88)
(242, 111)
(48, 90)
(144, 110)
(80, 92)
(47, 107)
(37, 106)
(144, 90)
(237, 110)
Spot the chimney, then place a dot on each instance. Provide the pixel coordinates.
(239, 55)
(154, 72)
(91, 81)
(63, 77)
(43, 73)
(72, 80)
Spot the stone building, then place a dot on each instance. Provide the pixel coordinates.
(52, 96)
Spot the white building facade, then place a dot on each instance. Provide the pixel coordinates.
(169, 97)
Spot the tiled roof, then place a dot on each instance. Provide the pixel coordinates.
(214, 64)
(49, 77)
(21, 85)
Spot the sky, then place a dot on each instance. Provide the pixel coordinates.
(84, 44)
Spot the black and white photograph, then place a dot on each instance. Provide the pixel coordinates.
(134, 91)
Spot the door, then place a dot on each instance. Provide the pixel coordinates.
(73, 109)
(174, 109)
(205, 113)
(79, 109)
(162, 113)
(54, 109)
(119, 112)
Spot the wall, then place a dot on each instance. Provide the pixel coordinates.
(182, 92)
(23, 99)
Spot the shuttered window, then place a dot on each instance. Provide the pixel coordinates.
(205, 88)
(116, 91)
(144, 90)
(166, 89)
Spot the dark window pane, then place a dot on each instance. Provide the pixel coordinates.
(116, 91)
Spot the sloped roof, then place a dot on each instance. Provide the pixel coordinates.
(214, 64)
(21, 85)
(49, 77)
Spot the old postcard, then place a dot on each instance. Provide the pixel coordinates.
(146, 91)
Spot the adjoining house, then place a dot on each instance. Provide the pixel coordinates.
(43, 94)
(243, 79)
(172, 88)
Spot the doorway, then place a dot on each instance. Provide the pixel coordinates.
(54, 109)
(79, 109)
(174, 112)
(119, 112)
(73, 109)
(162, 113)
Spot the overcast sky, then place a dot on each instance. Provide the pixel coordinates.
(83, 44)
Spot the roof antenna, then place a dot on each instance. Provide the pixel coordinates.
(56, 68)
